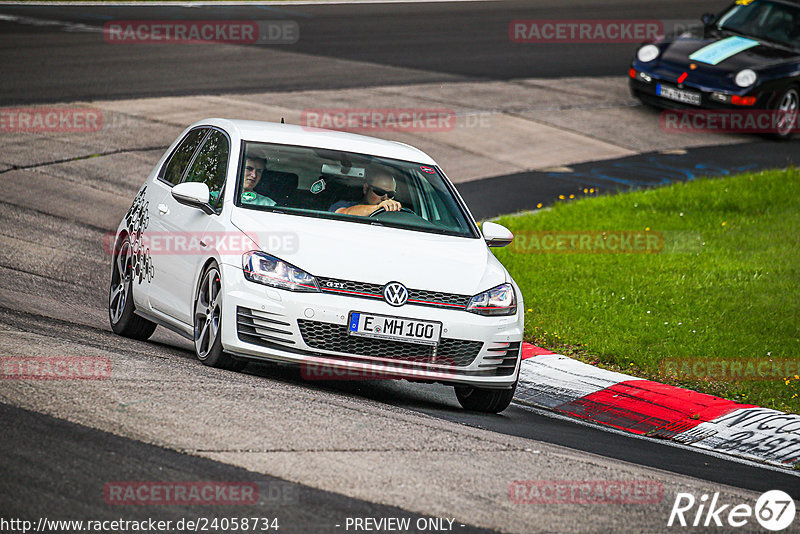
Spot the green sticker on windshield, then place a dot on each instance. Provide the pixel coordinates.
(318, 186)
(248, 196)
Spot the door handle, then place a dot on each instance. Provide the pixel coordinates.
(163, 209)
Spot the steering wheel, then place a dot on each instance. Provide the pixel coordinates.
(382, 210)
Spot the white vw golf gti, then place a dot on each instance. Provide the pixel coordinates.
(345, 254)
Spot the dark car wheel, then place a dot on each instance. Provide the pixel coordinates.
(787, 107)
(120, 297)
(484, 400)
(208, 323)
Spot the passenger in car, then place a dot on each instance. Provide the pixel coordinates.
(253, 170)
(379, 192)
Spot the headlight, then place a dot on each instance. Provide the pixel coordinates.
(647, 53)
(499, 300)
(745, 78)
(269, 270)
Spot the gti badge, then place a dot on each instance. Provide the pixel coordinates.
(395, 293)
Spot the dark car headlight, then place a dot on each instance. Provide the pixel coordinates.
(499, 300)
(271, 271)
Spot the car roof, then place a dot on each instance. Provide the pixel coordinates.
(290, 134)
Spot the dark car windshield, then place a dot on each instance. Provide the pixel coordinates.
(328, 183)
(763, 19)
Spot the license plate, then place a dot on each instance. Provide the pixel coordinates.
(394, 328)
(678, 95)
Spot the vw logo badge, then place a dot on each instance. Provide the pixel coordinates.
(395, 293)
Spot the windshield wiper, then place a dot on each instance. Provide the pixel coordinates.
(731, 30)
(782, 44)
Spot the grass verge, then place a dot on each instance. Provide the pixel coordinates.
(709, 300)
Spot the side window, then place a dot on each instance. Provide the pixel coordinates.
(174, 169)
(211, 165)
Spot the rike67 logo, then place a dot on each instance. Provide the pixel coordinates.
(774, 510)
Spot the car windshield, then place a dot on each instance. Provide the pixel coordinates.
(771, 21)
(327, 183)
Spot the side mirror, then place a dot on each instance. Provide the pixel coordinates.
(708, 18)
(496, 235)
(194, 194)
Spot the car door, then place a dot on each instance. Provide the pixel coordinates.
(184, 228)
(142, 222)
(170, 175)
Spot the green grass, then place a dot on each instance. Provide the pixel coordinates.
(726, 285)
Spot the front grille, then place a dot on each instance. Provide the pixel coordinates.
(418, 297)
(334, 337)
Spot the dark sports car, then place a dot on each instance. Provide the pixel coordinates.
(746, 58)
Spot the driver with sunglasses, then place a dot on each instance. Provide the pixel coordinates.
(379, 192)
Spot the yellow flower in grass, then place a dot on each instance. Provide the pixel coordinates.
(539, 205)
(561, 197)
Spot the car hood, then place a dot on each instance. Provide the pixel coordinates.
(677, 52)
(374, 254)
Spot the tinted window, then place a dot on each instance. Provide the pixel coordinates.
(210, 166)
(173, 171)
(348, 186)
(771, 21)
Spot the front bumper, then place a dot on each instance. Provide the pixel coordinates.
(310, 329)
(711, 97)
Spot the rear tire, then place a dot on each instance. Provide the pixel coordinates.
(120, 297)
(484, 399)
(208, 323)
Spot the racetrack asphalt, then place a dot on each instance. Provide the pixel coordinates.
(67, 467)
(523, 191)
(339, 46)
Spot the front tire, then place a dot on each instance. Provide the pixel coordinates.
(208, 323)
(484, 399)
(120, 297)
(787, 107)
